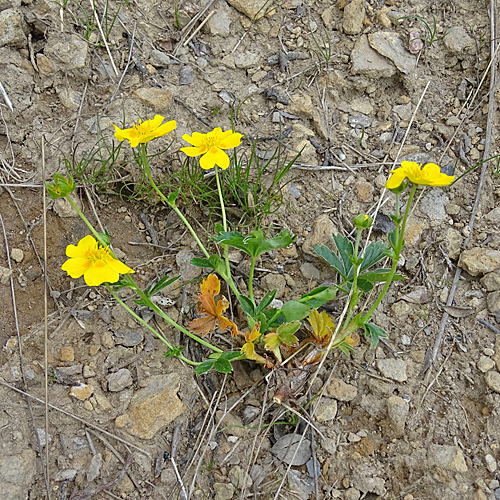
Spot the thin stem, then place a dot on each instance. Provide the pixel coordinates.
(250, 279)
(145, 163)
(89, 225)
(354, 292)
(138, 318)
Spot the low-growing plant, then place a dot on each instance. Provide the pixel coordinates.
(294, 334)
(432, 31)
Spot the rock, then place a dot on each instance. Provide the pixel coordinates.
(17, 255)
(364, 191)
(94, 467)
(294, 191)
(493, 302)
(395, 369)
(496, 356)
(404, 111)
(68, 52)
(433, 205)
(352, 494)
(223, 491)
(493, 216)
(360, 121)
(485, 364)
(479, 260)
(68, 375)
(220, 23)
(245, 60)
(397, 412)
(254, 9)
(236, 475)
(67, 354)
(401, 310)
(128, 339)
(186, 75)
(82, 391)
(153, 407)
(491, 281)
(232, 424)
(159, 59)
(326, 410)
(186, 269)
(390, 45)
(273, 281)
(63, 208)
(17, 473)
(119, 380)
(453, 242)
(368, 484)
(321, 234)
(342, 391)
(492, 379)
(12, 27)
(457, 41)
(491, 463)
(310, 272)
(5, 274)
(354, 16)
(288, 446)
(368, 62)
(65, 475)
(159, 100)
(447, 457)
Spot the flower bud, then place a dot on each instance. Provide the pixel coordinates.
(363, 221)
(61, 187)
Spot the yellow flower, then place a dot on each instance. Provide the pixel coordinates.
(145, 131)
(94, 262)
(429, 175)
(211, 146)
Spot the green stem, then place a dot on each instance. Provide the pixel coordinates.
(138, 318)
(397, 254)
(354, 293)
(89, 225)
(250, 279)
(147, 169)
(228, 277)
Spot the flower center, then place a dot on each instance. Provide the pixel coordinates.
(211, 141)
(100, 253)
(141, 129)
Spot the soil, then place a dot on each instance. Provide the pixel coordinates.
(336, 82)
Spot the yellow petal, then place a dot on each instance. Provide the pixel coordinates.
(119, 134)
(100, 273)
(154, 122)
(397, 177)
(77, 266)
(196, 139)
(207, 161)
(409, 165)
(165, 128)
(230, 139)
(85, 245)
(217, 157)
(194, 151)
(118, 266)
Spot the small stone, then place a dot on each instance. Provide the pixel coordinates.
(453, 243)
(88, 372)
(395, 369)
(119, 380)
(457, 40)
(94, 467)
(492, 379)
(491, 463)
(491, 281)
(493, 302)
(158, 99)
(67, 52)
(485, 363)
(273, 281)
(82, 391)
(128, 338)
(368, 62)
(321, 234)
(5, 274)
(67, 354)
(493, 216)
(453, 121)
(12, 29)
(310, 271)
(294, 191)
(447, 457)
(364, 191)
(186, 269)
(342, 391)
(352, 494)
(397, 411)
(63, 208)
(251, 8)
(354, 17)
(433, 205)
(223, 491)
(65, 475)
(186, 75)
(479, 260)
(404, 111)
(159, 59)
(94, 349)
(292, 449)
(236, 475)
(390, 45)
(326, 409)
(17, 255)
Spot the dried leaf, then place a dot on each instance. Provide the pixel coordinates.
(458, 311)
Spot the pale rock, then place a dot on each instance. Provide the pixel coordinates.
(119, 380)
(395, 369)
(326, 409)
(223, 491)
(70, 99)
(364, 191)
(67, 52)
(404, 111)
(159, 59)
(245, 60)
(5, 274)
(321, 234)
(342, 391)
(187, 271)
(433, 205)
(390, 45)
(491, 463)
(292, 449)
(368, 62)
(352, 494)
(491, 281)
(401, 309)
(236, 475)
(354, 16)
(457, 40)
(485, 364)
(153, 407)
(94, 467)
(17, 474)
(253, 9)
(310, 271)
(273, 281)
(159, 100)
(366, 484)
(231, 423)
(220, 24)
(447, 457)
(479, 260)
(453, 242)
(492, 379)
(17, 255)
(67, 354)
(496, 355)
(63, 208)
(493, 216)
(493, 302)
(12, 28)
(82, 391)
(397, 412)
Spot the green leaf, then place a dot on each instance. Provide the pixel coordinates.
(266, 300)
(346, 251)
(375, 332)
(346, 348)
(174, 352)
(325, 253)
(247, 306)
(254, 244)
(392, 237)
(213, 262)
(205, 366)
(318, 297)
(172, 197)
(154, 289)
(294, 310)
(374, 253)
(286, 333)
(232, 355)
(222, 365)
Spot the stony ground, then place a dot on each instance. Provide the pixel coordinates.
(341, 83)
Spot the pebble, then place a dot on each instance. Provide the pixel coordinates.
(17, 255)
(159, 59)
(251, 8)
(493, 302)
(294, 191)
(405, 340)
(354, 16)
(186, 75)
(273, 281)
(119, 380)
(485, 363)
(433, 205)
(223, 491)
(82, 391)
(67, 53)
(479, 260)
(447, 457)
(491, 463)
(310, 271)
(288, 446)
(342, 391)
(359, 120)
(67, 354)
(491, 281)
(397, 412)
(128, 339)
(352, 494)
(395, 369)
(390, 45)
(326, 409)
(457, 40)
(321, 234)
(236, 475)
(368, 62)
(94, 467)
(492, 379)
(453, 242)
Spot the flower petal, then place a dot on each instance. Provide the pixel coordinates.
(207, 161)
(230, 140)
(219, 157)
(154, 122)
(84, 245)
(76, 266)
(118, 266)
(120, 134)
(397, 177)
(165, 128)
(409, 165)
(196, 139)
(194, 150)
(100, 273)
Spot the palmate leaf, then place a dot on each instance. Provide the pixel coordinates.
(367, 280)
(374, 253)
(254, 244)
(213, 262)
(374, 332)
